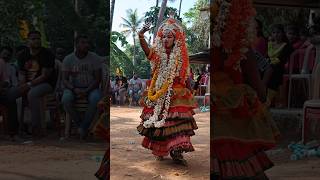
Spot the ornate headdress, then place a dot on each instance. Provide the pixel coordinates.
(170, 24)
(174, 26)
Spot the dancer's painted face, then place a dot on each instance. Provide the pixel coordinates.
(168, 39)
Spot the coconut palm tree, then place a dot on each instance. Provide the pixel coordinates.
(180, 7)
(131, 24)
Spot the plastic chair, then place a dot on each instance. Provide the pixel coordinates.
(305, 75)
(311, 108)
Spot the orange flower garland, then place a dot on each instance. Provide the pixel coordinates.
(236, 36)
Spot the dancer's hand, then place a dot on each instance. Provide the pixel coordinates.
(145, 28)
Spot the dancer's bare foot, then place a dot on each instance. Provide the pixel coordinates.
(177, 157)
(159, 158)
(182, 162)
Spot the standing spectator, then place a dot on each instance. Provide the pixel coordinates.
(279, 52)
(260, 49)
(121, 90)
(135, 89)
(81, 78)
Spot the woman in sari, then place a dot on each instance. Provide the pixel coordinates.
(242, 128)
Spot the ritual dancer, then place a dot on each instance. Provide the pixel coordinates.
(167, 117)
(242, 126)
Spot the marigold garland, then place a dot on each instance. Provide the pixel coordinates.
(161, 92)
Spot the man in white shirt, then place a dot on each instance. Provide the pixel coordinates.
(135, 89)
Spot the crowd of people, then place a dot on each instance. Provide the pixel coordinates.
(129, 92)
(286, 47)
(32, 72)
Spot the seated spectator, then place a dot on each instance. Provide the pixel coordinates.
(60, 55)
(81, 79)
(12, 70)
(37, 77)
(261, 43)
(5, 55)
(293, 35)
(135, 89)
(305, 37)
(300, 45)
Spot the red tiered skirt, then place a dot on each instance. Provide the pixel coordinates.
(243, 130)
(178, 128)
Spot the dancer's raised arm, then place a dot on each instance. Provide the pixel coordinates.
(143, 42)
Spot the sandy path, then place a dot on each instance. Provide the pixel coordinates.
(131, 161)
(49, 161)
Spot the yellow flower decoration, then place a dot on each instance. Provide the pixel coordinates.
(158, 94)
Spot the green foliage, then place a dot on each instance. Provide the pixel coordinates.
(270, 16)
(152, 16)
(131, 25)
(119, 59)
(11, 11)
(62, 20)
(56, 20)
(198, 33)
(142, 67)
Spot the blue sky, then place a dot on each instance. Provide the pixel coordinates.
(142, 6)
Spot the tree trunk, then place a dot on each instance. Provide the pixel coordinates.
(180, 7)
(76, 9)
(157, 3)
(134, 49)
(112, 12)
(160, 16)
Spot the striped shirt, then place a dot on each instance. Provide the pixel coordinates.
(262, 62)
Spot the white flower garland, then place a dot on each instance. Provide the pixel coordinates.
(220, 22)
(168, 70)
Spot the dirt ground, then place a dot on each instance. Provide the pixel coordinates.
(129, 160)
(50, 160)
(285, 169)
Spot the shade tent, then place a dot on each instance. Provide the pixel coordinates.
(200, 58)
(313, 4)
